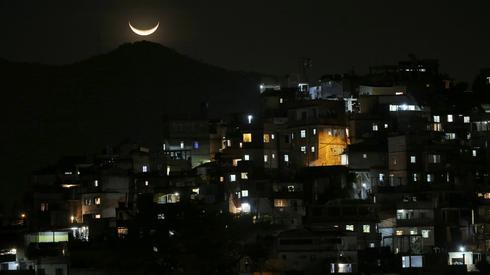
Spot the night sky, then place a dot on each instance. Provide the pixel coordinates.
(262, 36)
(265, 36)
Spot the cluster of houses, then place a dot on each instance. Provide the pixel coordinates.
(386, 173)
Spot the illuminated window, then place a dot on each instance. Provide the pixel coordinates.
(449, 118)
(415, 177)
(386, 126)
(437, 127)
(413, 232)
(437, 119)
(291, 188)
(244, 193)
(228, 143)
(146, 183)
(44, 207)
(96, 183)
(425, 234)
(196, 145)
(413, 159)
(97, 200)
(314, 131)
(280, 203)
(349, 227)
(250, 118)
(366, 228)
(245, 207)
(232, 177)
(281, 100)
(240, 144)
(433, 158)
(412, 261)
(313, 149)
(181, 145)
(381, 177)
(244, 175)
(286, 158)
(399, 232)
(273, 156)
(161, 216)
(221, 179)
(303, 149)
(145, 169)
(273, 136)
(466, 119)
(364, 156)
(266, 158)
(247, 137)
(122, 232)
(450, 136)
(375, 127)
(303, 134)
(266, 138)
(97, 216)
(429, 178)
(474, 153)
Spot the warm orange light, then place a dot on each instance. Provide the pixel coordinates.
(23, 215)
(330, 149)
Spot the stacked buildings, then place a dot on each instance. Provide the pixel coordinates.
(384, 173)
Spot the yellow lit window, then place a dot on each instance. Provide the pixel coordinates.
(280, 203)
(247, 137)
(97, 201)
(244, 175)
(266, 138)
(399, 232)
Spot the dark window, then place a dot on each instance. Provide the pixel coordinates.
(41, 271)
(59, 271)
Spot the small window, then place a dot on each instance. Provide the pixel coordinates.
(44, 207)
(244, 175)
(303, 133)
(96, 183)
(286, 158)
(247, 137)
(437, 119)
(314, 131)
(196, 145)
(399, 232)
(273, 136)
(425, 234)
(232, 177)
(281, 100)
(146, 183)
(97, 216)
(375, 127)
(349, 227)
(144, 169)
(466, 119)
(246, 157)
(266, 158)
(474, 153)
(433, 158)
(313, 149)
(182, 145)
(366, 228)
(244, 193)
(364, 156)
(429, 178)
(266, 138)
(413, 159)
(303, 149)
(97, 200)
(449, 118)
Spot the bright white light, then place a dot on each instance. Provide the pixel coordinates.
(462, 249)
(250, 118)
(245, 207)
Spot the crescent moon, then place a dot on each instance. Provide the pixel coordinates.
(144, 32)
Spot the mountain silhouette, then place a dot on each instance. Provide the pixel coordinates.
(50, 111)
